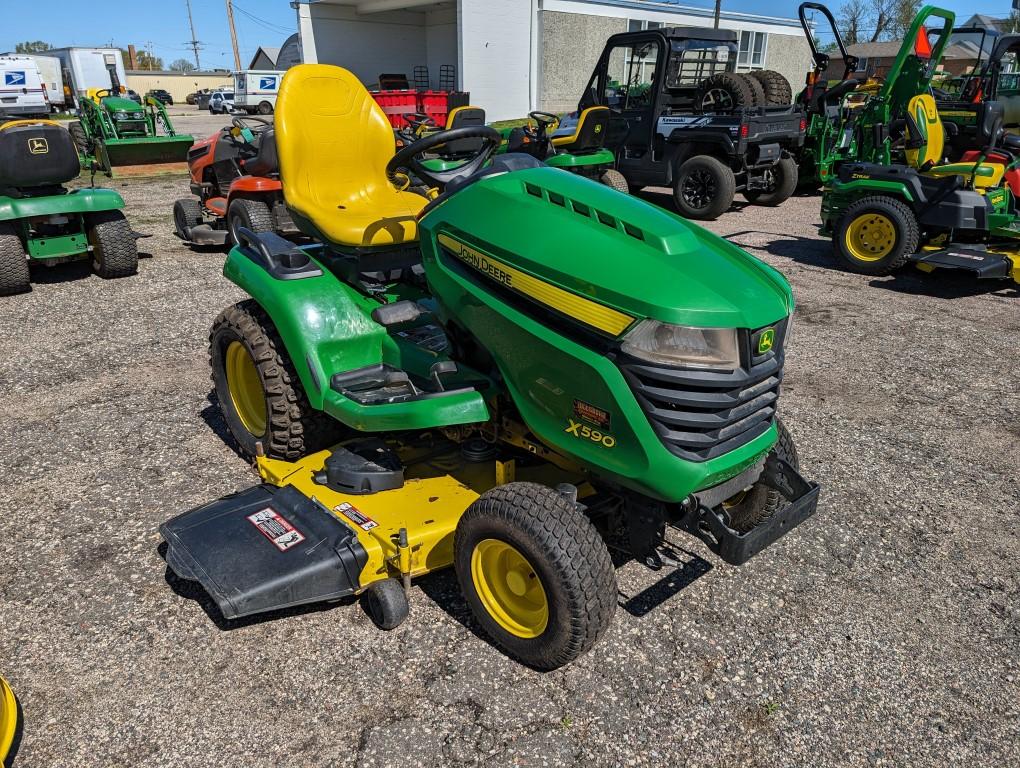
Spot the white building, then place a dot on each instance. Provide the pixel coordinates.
(514, 56)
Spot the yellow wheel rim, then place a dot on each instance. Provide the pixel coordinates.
(8, 718)
(245, 388)
(870, 237)
(509, 588)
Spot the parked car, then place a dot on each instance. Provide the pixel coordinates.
(161, 96)
(221, 102)
(195, 97)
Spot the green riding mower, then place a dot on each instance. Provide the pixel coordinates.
(575, 143)
(115, 131)
(43, 221)
(515, 375)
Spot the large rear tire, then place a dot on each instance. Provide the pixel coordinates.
(187, 214)
(535, 573)
(758, 503)
(81, 141)
(616, 180)
(782, 181)
(114, 248)
(875, 235)
(250, 214)
(775, 86)
(704, 188)
(259, 392)
(14, 274)
(725, 92)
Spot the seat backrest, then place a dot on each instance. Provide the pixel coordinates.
(36, 154)
(589, 133)
(926, 137)
(333, 140)
(265, 163)
(464, 117)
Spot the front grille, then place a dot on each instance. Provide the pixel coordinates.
(699, 415)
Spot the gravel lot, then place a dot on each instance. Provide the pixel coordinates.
(885, 631)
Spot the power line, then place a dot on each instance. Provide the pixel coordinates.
(262, 22)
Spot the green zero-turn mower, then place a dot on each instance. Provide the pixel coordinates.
(115, 131)
(514, 378)
(958, 216)
(42, 220)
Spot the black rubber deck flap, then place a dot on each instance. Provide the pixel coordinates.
(264, 549)
(985, 264)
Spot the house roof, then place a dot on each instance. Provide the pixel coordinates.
(889, 49)
(271, 53)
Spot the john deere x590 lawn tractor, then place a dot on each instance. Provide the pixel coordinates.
(41, 220)
(513, 376)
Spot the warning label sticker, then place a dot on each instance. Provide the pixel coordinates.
(356, 516)
(276, 529)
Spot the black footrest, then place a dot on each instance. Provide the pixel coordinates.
(737, 548)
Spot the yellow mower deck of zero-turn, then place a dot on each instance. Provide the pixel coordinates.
(8, 718)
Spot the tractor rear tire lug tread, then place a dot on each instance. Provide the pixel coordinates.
(114, 248)
(294, 428)
(14, 273)
(557, 538)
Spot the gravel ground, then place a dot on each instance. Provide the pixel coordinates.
(885, 631)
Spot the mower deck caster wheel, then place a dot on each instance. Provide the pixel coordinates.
(385, 602)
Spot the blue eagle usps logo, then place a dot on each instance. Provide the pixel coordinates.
(14, 78)
(267, 83)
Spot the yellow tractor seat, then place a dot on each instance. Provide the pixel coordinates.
(589, 132)
(333, 142)
(927, 138)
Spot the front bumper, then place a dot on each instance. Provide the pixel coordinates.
(712, 526)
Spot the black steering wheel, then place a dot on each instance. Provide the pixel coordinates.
(410, 157)
(542, 121)
(239, 122)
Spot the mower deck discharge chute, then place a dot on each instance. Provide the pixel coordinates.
(513, 374)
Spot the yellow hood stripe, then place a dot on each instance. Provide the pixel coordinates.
(590, 313)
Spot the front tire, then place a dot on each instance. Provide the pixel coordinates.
(250, 214)
(615, 179)
(114, 248)
(875, 235)
(259, 392)
(14, 274)
(187, 214)
(386, 604)
(704, 188)
(782, 183)
(757, 504)
(535, 573)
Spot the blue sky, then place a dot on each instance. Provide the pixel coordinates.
(164, 23)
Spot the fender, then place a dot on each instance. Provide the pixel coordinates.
(253, 185)
(327, 328)
(81, 201)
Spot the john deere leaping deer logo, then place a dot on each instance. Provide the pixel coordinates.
(766, 340)
(38, 146)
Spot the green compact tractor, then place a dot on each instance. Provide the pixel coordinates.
(41, 220)
(959, 216)
(830, 134)
(514, 375)
(115, 131)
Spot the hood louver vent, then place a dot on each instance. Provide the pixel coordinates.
(581, 209)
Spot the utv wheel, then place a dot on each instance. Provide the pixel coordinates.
(704, 188)
(259, 392)
(875, 235)
(81, 141)
(615, 179)
(756, 90)
(114, 248)
(535, 573)
(725, 92)
(777, 88)
(386, 603)
(187, 214)
(782, 182)
(250, 214)
(14, 275)
(757, 504)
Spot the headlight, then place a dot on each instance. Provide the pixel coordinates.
(684, 347)
(789, 331)
(120, 116)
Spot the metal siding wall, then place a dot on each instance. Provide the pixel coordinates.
(495, 45)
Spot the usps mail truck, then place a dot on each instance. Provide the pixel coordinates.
(255, 91)
(22, 93)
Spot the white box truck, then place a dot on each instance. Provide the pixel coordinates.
(52, 77)
(256, 90)
(86, 67)
(22, 93)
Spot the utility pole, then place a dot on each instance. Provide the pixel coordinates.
(718, 10)
(233, 36)
(193, 42)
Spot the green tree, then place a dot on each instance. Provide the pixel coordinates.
(181, 65)
(143, 59)
(34, 46)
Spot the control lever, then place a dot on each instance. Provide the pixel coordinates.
(439, 370)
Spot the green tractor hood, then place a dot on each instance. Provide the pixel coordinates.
(614, 250)
(120, 104)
